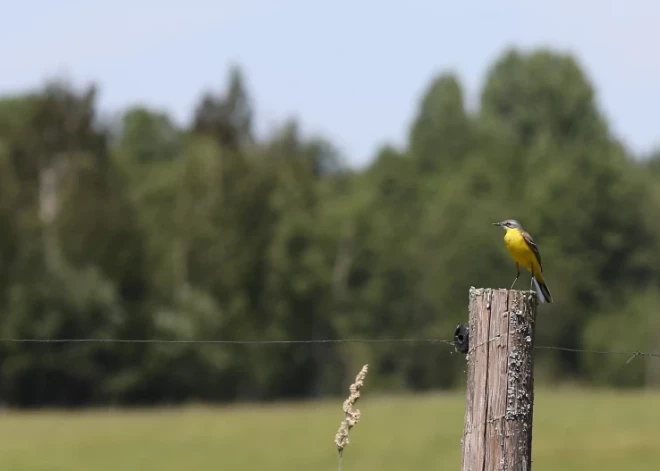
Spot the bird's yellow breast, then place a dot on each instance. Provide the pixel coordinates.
(518, 248)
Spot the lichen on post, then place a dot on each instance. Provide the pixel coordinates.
(500, 380)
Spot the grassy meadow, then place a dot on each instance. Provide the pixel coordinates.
(573, 430)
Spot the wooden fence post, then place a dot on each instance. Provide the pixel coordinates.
(500, 381)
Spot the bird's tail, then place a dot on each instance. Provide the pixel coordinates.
(542, 290)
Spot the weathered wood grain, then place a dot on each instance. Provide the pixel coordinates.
(500, 381)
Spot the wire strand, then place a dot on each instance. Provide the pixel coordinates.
(632, 354)
(223, 342)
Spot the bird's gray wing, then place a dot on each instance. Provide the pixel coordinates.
(532, 245)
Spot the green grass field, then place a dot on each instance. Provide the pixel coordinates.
(572, 431)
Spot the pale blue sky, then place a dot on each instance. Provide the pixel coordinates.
(352, 71)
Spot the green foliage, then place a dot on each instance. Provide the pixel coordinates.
(147, 136)
(148, 230)
(442, 132)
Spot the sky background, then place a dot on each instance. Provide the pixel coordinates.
(350, 70)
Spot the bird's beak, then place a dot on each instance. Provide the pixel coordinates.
(497, 224)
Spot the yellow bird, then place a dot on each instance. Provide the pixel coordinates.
(524, 252)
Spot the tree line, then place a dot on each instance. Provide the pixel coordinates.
(139, 228)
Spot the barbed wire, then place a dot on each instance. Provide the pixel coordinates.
(632, 354)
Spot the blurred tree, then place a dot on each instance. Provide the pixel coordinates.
(227, 118)
(145, 135)
(210, 233)
(440, 136)
(297, 295)
(542, 92)
(564, 155)
(633, 328)
(47, 136)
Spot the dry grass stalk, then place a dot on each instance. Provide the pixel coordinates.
(352, 415)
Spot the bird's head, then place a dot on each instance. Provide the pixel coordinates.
(508, 224)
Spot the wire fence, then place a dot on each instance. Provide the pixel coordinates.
(449, 343)
(222, 342)
(631, 353)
